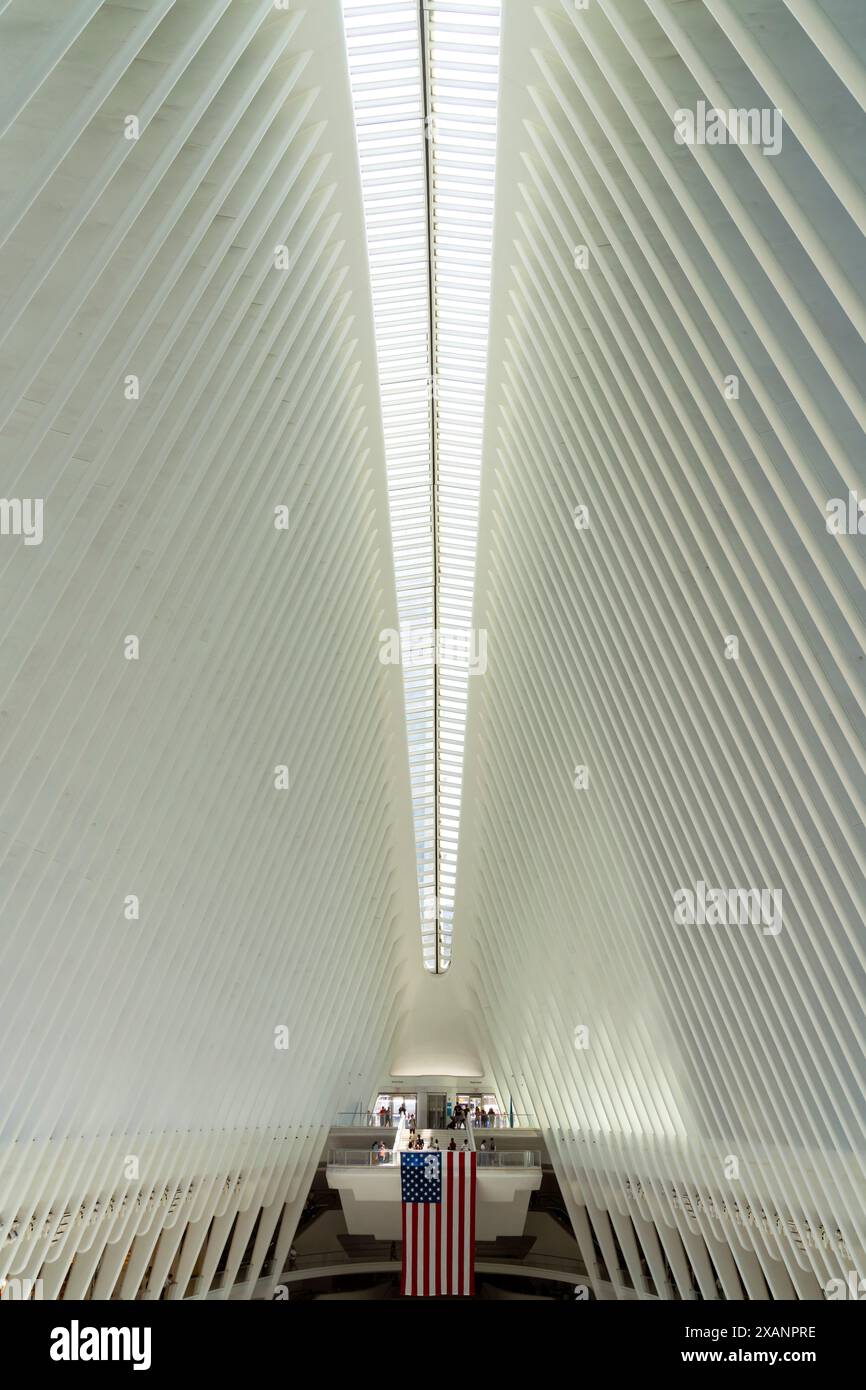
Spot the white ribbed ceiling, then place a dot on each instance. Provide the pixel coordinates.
(209, 843)
(223, 836)
(636, 516)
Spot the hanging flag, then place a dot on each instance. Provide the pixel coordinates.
(438, 1191)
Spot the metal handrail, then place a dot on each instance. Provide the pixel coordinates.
(531, 1260)
(337, 1257)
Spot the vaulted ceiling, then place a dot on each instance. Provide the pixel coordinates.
(675, 688)
(209, 825)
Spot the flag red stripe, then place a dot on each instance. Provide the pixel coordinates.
(438, 1253)
(449, 1166)
(414, 1248)
(426, 1252)
(461, 1222)
(471, 1251)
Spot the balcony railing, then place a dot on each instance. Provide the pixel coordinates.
(368, 1158)
(359, 1119)
(355, 1119)
(360, 1158)
(504, 1122)
(509, 1158)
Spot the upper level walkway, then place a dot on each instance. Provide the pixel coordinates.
(370, 1190)
(388, 1143)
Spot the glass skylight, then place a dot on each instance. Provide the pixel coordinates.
(462, 50)
(424, 85)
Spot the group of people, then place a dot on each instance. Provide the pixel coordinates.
(462, 1116)
(417, 1142)
(467, 1114)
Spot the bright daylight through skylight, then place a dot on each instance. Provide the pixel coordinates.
(424, 86)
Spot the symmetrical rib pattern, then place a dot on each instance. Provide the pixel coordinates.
(209, 882)
(206, 857)
(675, 694)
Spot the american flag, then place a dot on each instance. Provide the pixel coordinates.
(438, 1192)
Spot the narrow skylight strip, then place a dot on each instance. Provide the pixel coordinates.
(385, 69)
(433, 69)
(462, 61)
